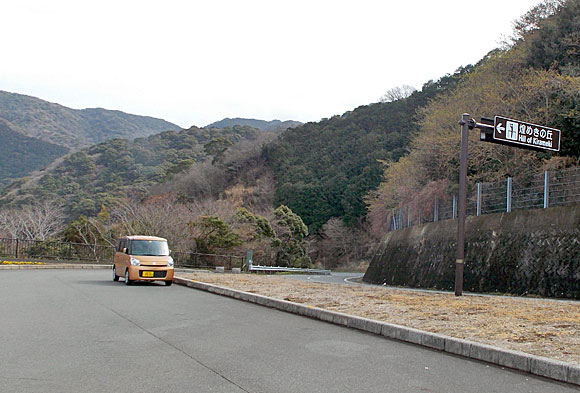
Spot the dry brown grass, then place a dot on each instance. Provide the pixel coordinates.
(541, 327)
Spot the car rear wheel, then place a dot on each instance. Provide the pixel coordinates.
(168, 283)
(115, 277)
(127, 281)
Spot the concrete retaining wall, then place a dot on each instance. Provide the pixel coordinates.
(524, 252)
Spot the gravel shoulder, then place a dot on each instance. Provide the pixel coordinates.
(540, 327)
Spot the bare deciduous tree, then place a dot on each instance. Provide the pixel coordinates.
(531, 19)
(398, 93)
(8, 227)
(39, 221)
(337, 237)
(339, 245)
(164, 218)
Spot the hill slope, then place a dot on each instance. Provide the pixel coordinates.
(262, 125)
(537, 79)
(325, 169)
(119, 168)
(74, 128)
(23, 154)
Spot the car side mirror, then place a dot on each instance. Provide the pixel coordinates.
(169, 252)
(125, 250)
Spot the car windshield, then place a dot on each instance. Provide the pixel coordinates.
(149, 247)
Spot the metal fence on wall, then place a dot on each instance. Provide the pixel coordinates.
(65, 251)
(542, 190)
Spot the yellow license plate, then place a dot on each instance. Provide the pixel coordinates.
(147, 274)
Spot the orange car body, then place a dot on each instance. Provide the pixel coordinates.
(143, 258)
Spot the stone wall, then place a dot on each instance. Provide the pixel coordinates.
(523, 252)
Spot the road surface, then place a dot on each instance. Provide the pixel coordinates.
(78, 331)
(332, 278)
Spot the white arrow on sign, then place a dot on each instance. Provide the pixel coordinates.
(500, 128)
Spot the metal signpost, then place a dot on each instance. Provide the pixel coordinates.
(504, 131)
(466, 125)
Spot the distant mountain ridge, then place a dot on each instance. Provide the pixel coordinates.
(74, 128)
(118, 168)
(262, 125)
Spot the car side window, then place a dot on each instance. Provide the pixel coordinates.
(122, 244)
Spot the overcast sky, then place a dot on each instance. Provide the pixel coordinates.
(195, 62)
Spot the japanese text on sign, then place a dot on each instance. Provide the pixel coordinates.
(522, 133)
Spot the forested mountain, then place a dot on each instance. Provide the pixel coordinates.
(325, 169)
(22, 154)
(262, 125)
(536, 79)
(121, 168)
(74, 128)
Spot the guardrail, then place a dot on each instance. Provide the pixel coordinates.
(279, 269)
(282, 269)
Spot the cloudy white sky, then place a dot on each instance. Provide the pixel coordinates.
(195, 62)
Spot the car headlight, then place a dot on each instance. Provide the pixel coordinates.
(169, 261)
(135, 262)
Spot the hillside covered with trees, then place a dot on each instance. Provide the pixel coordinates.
(36, 132)
(535, 77)
(74, 128)
(119, 168)
(325, 169)
(262, 125)
(23, 154)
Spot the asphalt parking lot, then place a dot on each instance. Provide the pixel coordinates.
(78, 331)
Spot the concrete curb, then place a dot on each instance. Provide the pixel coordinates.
(545, 367)
(55, 266)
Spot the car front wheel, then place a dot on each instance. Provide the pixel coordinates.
(127, 281)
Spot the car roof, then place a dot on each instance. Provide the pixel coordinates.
(143, 237)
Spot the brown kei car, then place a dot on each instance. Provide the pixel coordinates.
(143, 258)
